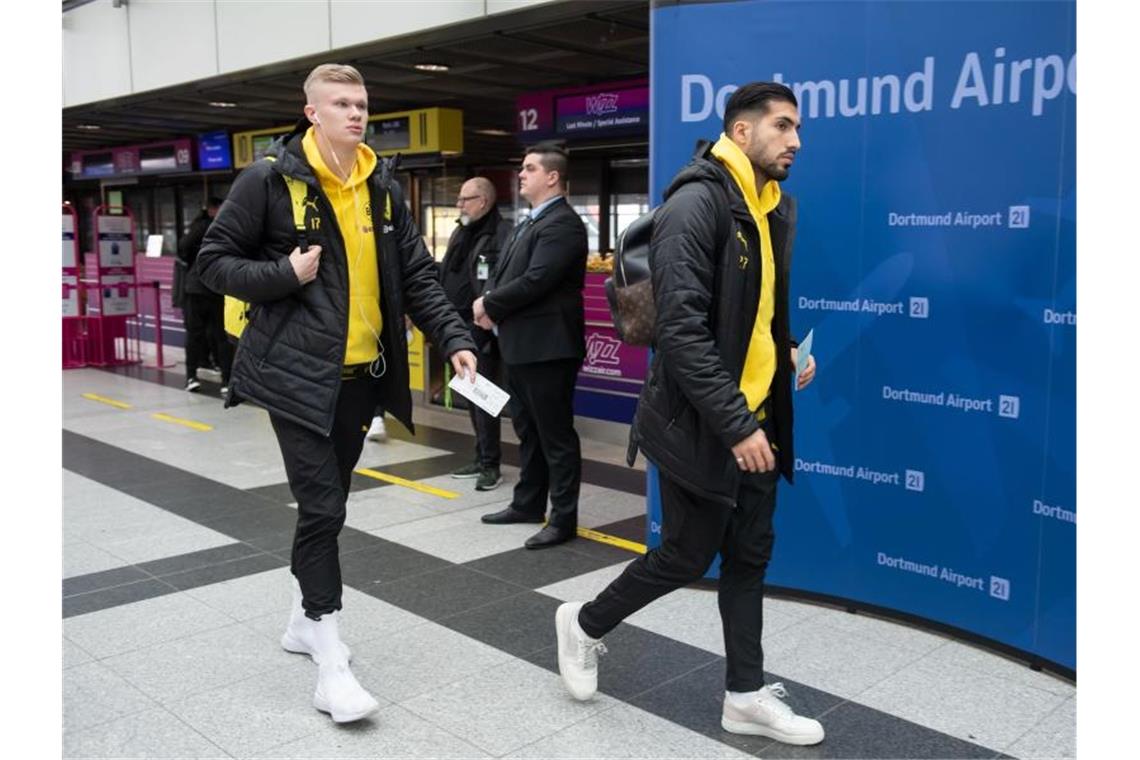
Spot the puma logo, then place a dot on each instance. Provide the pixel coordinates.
(310, 204)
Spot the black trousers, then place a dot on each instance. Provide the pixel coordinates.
(488, 429)
(320, 472)
(550, 455)
(204, 317)
(693, 531)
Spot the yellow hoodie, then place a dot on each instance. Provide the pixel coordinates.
(760, 361)
(353, 208)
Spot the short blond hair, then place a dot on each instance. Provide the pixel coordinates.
(331, 72)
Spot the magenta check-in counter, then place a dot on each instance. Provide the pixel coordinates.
(613, 372)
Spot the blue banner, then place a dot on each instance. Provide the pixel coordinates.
(935, 258)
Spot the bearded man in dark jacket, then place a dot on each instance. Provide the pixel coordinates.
(325, 337)
(472, 252)
(715, 414)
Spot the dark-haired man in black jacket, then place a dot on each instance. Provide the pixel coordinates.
(202, 308)
(325, 339)
(715, 414)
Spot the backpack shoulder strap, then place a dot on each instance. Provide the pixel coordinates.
(236, 311)
(299, 199)
(383, 200)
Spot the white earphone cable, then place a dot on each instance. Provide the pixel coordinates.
(379, 365)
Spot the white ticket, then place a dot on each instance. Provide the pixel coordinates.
(483, 393)
(803, 353)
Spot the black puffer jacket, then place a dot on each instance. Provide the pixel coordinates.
(290, 356)
(188, 248)
(459, 270)
(706, 267)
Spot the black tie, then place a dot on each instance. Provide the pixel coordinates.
(516, 232)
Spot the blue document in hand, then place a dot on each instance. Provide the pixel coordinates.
(804, 353)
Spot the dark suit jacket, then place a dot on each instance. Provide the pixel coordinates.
(534, 294)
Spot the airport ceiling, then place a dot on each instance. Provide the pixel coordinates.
(491, 61)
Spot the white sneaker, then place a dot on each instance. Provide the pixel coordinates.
(577, 652)
(377, 432)
(338, 692)
(340, 695)
(762, 713)
(300, 635)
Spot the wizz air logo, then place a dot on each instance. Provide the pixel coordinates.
(602, 350)
(602, 103)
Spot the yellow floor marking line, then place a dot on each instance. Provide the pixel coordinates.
(185, 423)
(605, 538)
(395, 480)
(105, 400)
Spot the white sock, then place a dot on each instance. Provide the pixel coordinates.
(578, 629)
(741, 699)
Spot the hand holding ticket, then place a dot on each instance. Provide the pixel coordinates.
(483, 393)
(803, 355)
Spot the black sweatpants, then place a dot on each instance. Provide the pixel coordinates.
(320, 472)
(488, 429)
(693, 530)
(204, 317)
(550, 455)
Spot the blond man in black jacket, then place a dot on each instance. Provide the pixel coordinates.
(325, 341)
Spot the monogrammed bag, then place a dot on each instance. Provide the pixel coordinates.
(630, 289)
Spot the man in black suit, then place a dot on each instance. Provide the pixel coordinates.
(534, 299)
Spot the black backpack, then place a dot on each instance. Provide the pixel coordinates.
(630, 289)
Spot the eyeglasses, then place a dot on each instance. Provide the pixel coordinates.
(465, 198)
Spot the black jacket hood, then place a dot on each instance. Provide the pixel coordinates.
(705, 167)
(702, 167)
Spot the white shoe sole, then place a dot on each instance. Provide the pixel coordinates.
(322, 704)
(561, 623)
(755, 729)
(291, 644)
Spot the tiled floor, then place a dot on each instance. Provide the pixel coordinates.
(176, 587)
